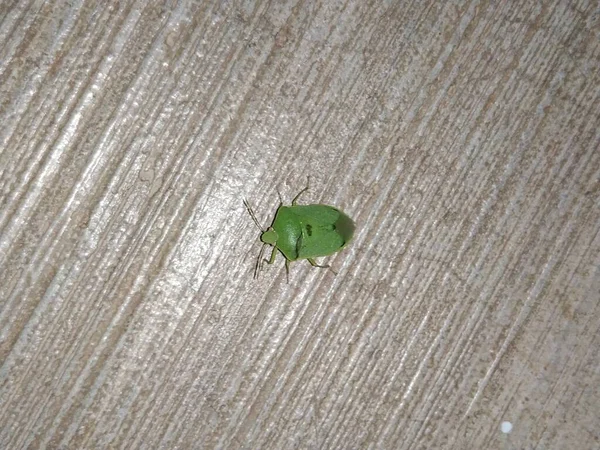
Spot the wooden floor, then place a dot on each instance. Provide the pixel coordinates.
(462, 137)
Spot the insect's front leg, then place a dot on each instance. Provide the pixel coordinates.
(301, 192)
(271, 260)
(261, 260)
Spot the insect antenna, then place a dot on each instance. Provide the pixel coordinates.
(258, 266)
(247, 205)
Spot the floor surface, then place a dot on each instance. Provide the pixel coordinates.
(463, 138)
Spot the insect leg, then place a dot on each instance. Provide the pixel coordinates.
(302, 191)
(314, 264)
(271, 260)
(324, 266)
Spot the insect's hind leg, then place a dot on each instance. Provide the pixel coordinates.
(324, 266)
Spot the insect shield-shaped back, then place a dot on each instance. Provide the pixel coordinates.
(304, 232)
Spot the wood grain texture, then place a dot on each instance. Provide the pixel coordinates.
(463, 138)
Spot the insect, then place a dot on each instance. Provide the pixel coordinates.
(303, 232)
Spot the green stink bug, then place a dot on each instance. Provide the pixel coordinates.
(303, 232)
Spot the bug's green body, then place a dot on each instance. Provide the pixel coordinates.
(309, 231)
(305, 232)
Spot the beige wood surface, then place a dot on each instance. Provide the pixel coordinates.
(462, 137)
